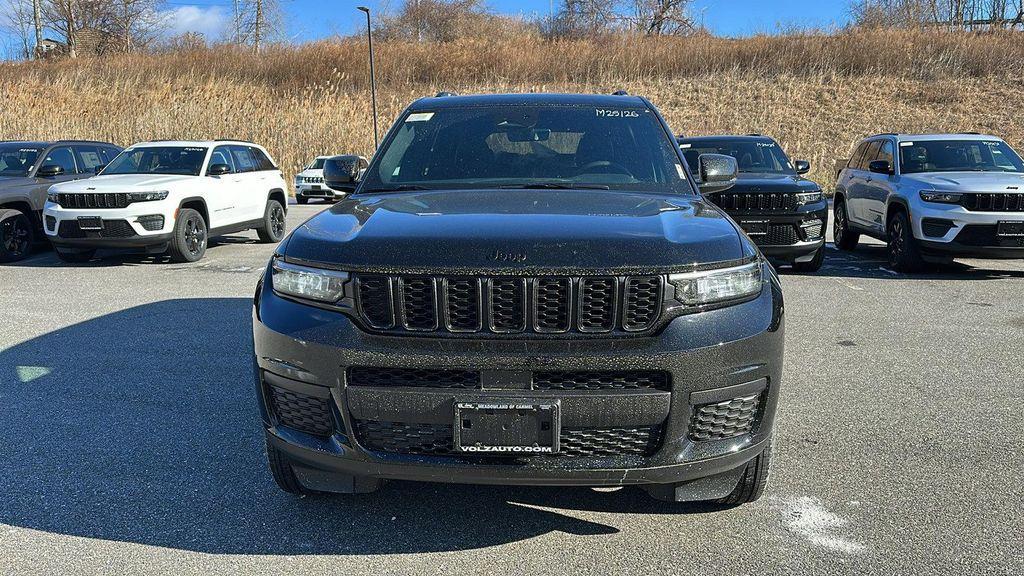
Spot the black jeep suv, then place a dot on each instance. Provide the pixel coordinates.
(784, 213)
(523, 289)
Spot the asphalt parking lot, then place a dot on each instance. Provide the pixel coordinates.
(131, 443)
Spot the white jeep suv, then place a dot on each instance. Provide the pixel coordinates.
(168, 197)
(310, 182)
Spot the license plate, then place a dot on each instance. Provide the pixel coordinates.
(755, 227)
(507, 428)
(90, 223)
(1014, 229)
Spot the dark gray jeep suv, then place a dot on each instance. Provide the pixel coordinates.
(27, 170)
(523, 289)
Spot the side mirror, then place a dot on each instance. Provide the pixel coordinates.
(802, 166)
(718, 172)
(881, 167)
(99, 169)
(50, 171)
(341, 173)
(218, 170)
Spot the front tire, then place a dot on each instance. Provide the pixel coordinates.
(752, 484)
(845, 239)
(190, 237)
(283, 473)
(812, 265)
(273, 228)
(904, 253)
(16, 235)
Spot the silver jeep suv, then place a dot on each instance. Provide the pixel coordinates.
(932, 198)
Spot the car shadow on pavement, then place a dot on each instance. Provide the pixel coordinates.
(871, 261)
(141, 426)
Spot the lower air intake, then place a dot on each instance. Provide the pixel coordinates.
(726, 419)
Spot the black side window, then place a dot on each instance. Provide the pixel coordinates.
(243, 158)
(857, 155)
(62, 157)
(89, 157)
(109, 153)
(221, 155)
(262, 161)
(886, 152)
(869, 154)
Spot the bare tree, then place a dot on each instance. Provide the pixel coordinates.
(16, 20)
(135, 22)
(657, 17)
(444, 21)
(257, 22)
(954, 14)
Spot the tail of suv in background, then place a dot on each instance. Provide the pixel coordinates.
(27, 170)
(932, 197)
(782, 212)
(169, 197)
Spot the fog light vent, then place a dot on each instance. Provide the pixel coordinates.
(726, 419)
(51, 223)
(936, 227)
(151, 223)
(813, 229)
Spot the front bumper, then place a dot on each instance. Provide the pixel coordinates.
(788, 236)
(121, 227)
(969, 234)
(315, 191)
(711, 357)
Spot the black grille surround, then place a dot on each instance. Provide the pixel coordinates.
(93, 200)
(545, 305)
(755, 202)
(993, 201)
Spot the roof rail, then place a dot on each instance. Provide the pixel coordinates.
(445, 94)
(755, 134)
(972, 133)
(620, 93)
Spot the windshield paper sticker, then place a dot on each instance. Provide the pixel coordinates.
(605, 113)
(906, 144)
(685, 146)
(420, 117)
(682, 173)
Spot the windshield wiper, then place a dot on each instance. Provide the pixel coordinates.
(396, 188)
(555, 186)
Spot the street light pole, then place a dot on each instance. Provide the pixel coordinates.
(373, 78)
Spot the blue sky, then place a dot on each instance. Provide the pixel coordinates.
(314, 19)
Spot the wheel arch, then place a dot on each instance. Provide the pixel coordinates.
(279, 195)
(199, 205)
(894, 205)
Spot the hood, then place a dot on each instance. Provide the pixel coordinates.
(510, 230)
(121, 183)
(970, 181)
(767, 183)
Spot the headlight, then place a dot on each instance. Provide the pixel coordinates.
(808, 197)
(147, 196)
(714, 286)
(941, 197)
(309, 283)
(52, 197)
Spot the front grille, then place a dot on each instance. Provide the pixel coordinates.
(313, 179)
(111, 229)
(300, 411)
(602, 380)
(544, 305)
(726, 419)
(986, 235)
(751, 202)
(413, 378)
(93, 200)
(778, 235)
(993, 202)
(438, 439)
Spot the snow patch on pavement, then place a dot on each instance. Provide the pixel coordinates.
(808, 518)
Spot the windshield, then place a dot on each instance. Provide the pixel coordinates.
(761, 155)
(958, 156)
(17, 160)
(185, 160)
(317, 164)
(529, 146)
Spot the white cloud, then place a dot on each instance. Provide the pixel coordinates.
(210, 21)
